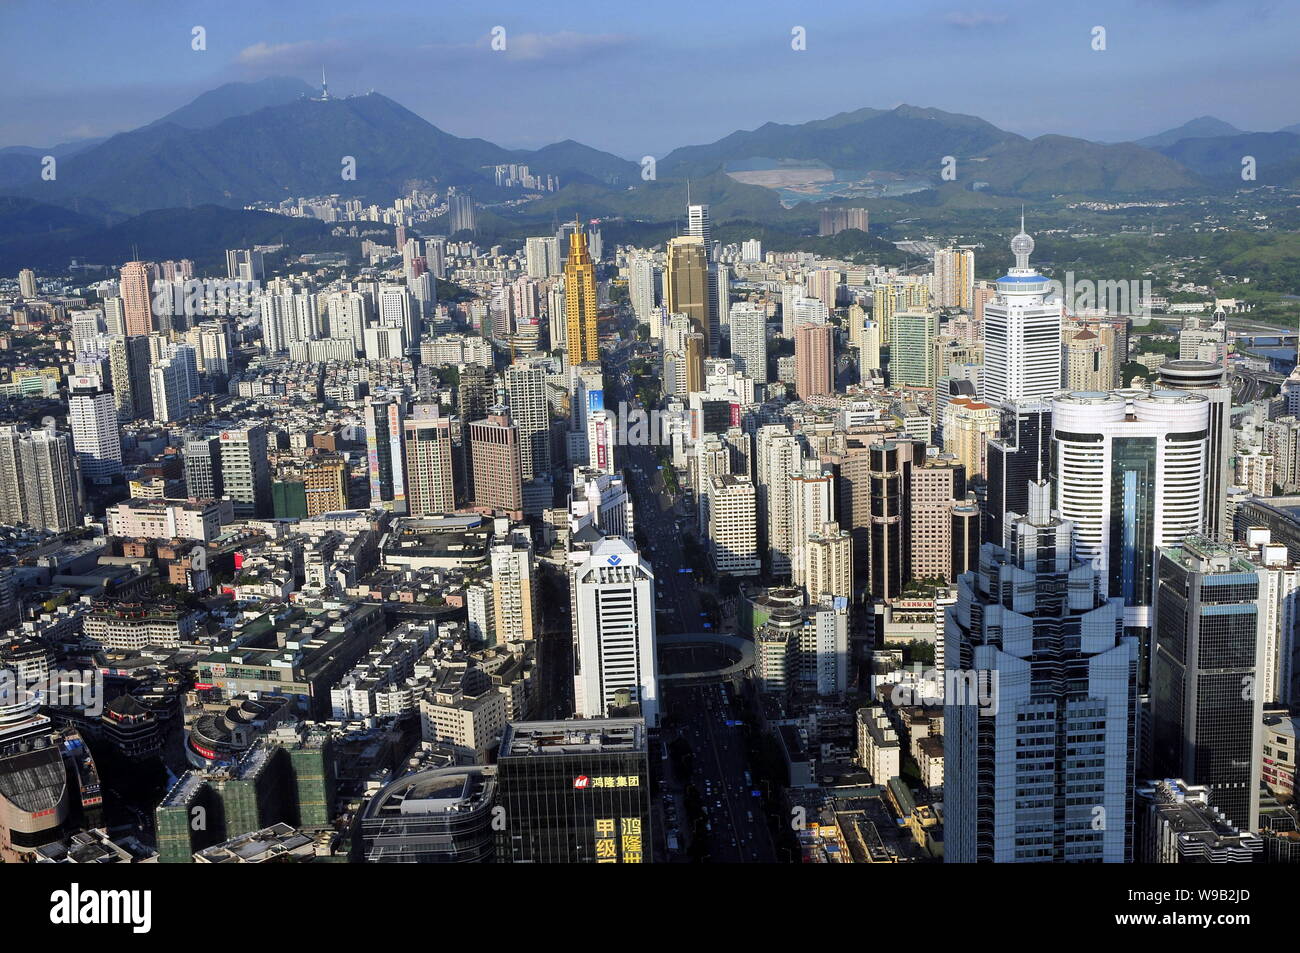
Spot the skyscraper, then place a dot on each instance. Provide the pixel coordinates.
(954, 278)
(1022, 333)
(40, 480)
(1130, 477)
(814, 360)
(526, 385)
(1039, 706)
(575, 792)
(749, 340)
(430, 460)
(137, 303)
(384, 434)
(911, 348)
(582, 332)
(495, 455)
(92, 415)
(1020, 454)
(1211, 381)
(686, 286)
(514, 588)
(246, 471)
(613, 600)
(1206, 706)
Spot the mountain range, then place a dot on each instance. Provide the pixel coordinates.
(264, 142)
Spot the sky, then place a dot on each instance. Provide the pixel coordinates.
(641, 78)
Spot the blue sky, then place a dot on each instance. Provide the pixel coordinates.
(644, 77)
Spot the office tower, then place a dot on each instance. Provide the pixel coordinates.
(384, 433)
(514, 588)
(430, 460)
(1130, 472)
(733, 525)
(889, 540)
(686, 286)
(911, 348)
(698, 225)
(40, 480)
(92, 415)
(203, 468)
(814, 359)
(461, 214)
(137, 302)
(965, 536)
(749, 340)
(1039, 706)
(574, 792)
(954, 278)
(495, 456)
(1210, 381)
(246, 471)
(696, 347)
(1022, 333)
(582, 332)
(245, 264)
(1021, 454)
(1177, 823)
(173, 382)
(613, 597)
(1207, 710)
(526, 385)
(1088, 364)
(937, 487)
(828, 563)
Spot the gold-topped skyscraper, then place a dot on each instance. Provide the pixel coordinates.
(580, 302)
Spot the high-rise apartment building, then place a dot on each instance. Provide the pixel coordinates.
(954, 278)
(526, 385)
(814, 358)
(514, 588)
(137, 302)
(749, 340)
(246, 471)
(40, 480)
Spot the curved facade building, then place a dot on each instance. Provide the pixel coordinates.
(435, 816)
(1130, 476)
